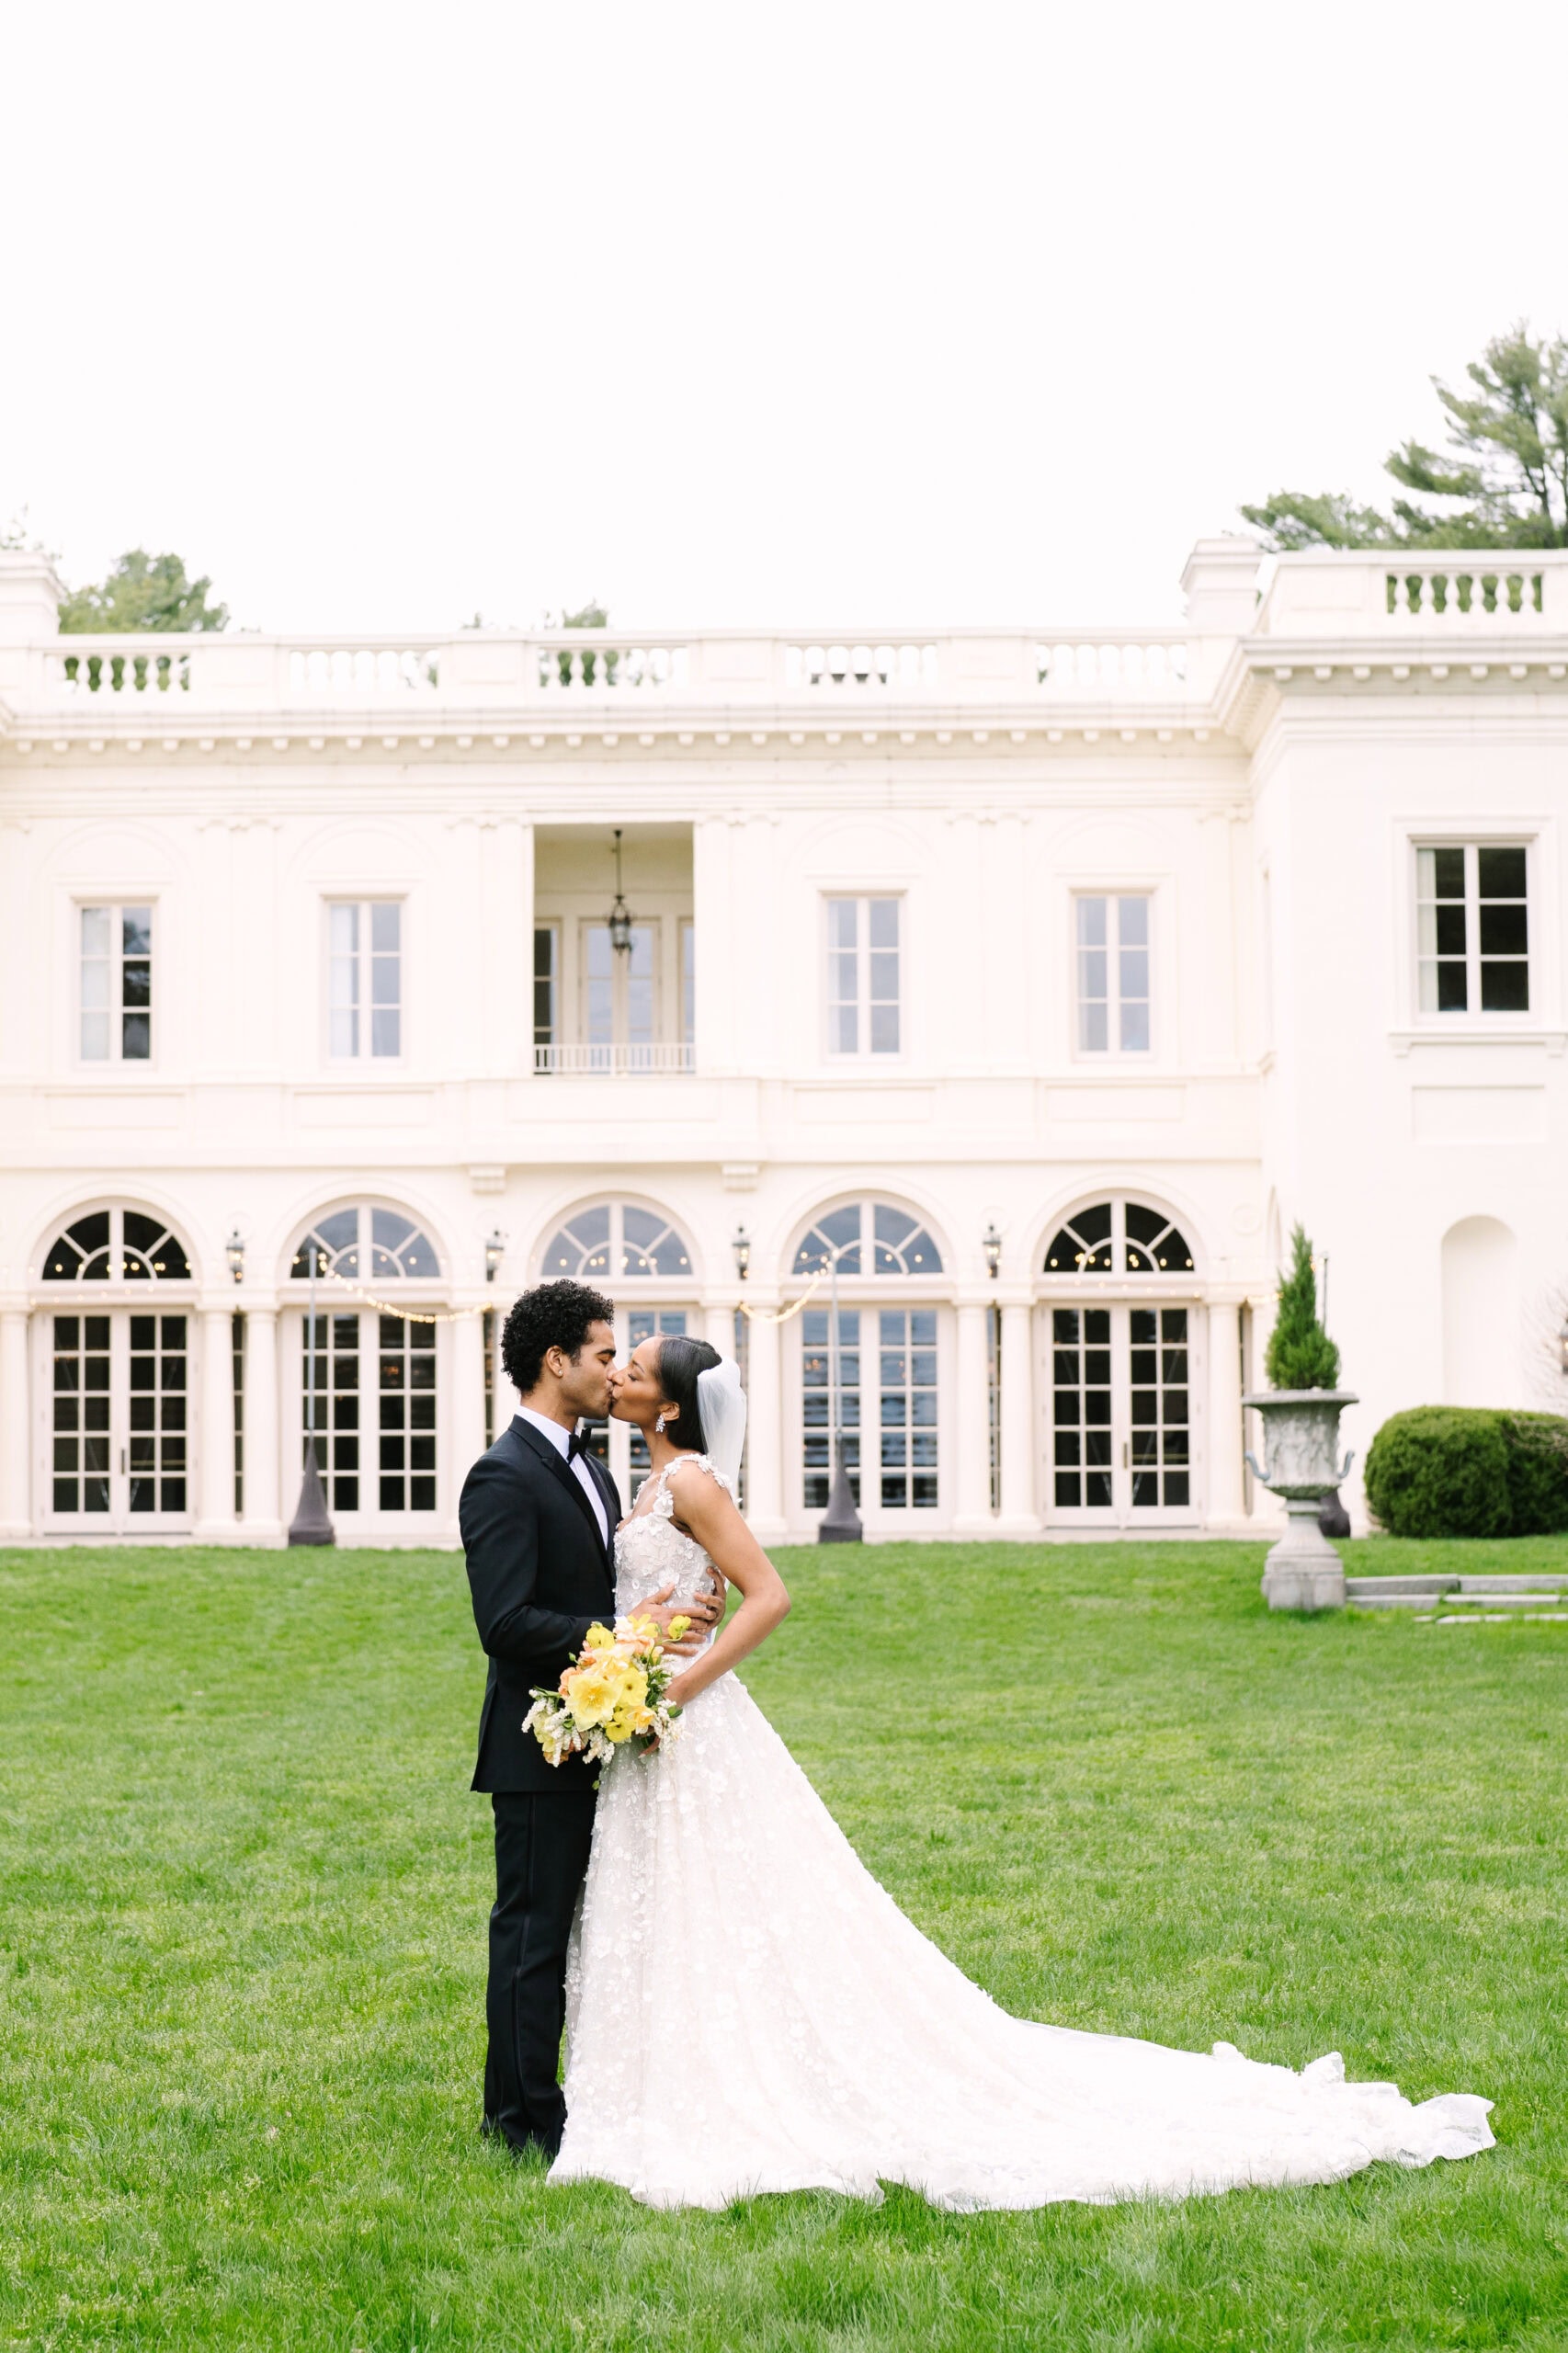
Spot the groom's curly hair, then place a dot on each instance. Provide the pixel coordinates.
(551, 1315)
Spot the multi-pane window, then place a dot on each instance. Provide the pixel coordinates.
(907, 1373)
(330, 1365)
(116, 984)
(1081, 1432)
(1113, 974)
(547, 984)
(1472, 929)
(687, 983)
(829, 1375)
(618, 987)
(159, 1386)
(641, 1324)
(1162, 1416)
(864, 1014)
(365, 979)
(81, 1414)
(406, 1356)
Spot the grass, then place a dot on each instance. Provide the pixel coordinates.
(241, 1905)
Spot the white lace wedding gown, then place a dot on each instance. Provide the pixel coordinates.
(748, 2010)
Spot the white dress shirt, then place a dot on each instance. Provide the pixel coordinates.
(560, 1439)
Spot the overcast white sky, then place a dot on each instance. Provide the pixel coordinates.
(872, 310)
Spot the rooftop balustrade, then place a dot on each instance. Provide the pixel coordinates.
(1382, 601)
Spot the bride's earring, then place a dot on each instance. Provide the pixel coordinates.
(659, 1423)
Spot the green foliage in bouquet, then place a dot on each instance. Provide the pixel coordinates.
(1469, 1471)
(1300, 1355)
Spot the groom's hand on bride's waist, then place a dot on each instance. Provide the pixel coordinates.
(703, 1611)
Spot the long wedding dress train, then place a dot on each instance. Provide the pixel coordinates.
(748, 2010)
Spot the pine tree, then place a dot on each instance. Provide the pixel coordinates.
(1299, 1354)
(1504, 486)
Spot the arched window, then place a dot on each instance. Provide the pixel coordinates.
(367, 1244)
(1119, 1238)
(616, 1241)
(111, 1245)
(870, 1238)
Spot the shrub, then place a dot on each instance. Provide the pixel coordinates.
(1300, 1353)
(1469, 1471)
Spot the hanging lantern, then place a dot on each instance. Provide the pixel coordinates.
(620, 917)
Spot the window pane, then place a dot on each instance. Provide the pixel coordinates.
(1091, 923)
(136, 1036)
(1504, 928)
(1504, 988)
(1500, 873)
(386, 1031)
(95, 1037)
(884, 1028)
(846, 1031)
(386, 926)
(842, 917)
(1134, 1029)
(136, 931)
(882, 922)
(1134, 922)
(1447, 873)
(345, 930)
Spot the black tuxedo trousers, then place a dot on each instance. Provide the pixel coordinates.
(539, 1572)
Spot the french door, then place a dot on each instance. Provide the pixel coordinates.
(883, 1382)
(367, 1385)
(622, 1450)
(1119, 1390)
(115, 1388)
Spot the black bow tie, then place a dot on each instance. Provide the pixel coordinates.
(575, 1445)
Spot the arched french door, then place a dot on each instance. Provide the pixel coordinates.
(114, 1378)
(644, 1261)
(879, 1379)
(363, 1378)
(1120, 1336)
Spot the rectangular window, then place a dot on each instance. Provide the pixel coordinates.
(907, 1377)
(81, 1418)
(407, 1433)
(237, 1349)
(619, 996)
(687, 983)
(116, 984)
(365, 979)
(1113, 974)
(547, 984)
(1472, 929)
(823, 1368)
(330, 1362)
(863, 981)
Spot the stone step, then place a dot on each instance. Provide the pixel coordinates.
(1546, 1581)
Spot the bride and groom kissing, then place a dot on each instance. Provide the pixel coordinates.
(838, 2048)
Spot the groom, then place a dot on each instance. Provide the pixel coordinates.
(539, 1515)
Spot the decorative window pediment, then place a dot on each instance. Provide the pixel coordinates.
(1119, 1238)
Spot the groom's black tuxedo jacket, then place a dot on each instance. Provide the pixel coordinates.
(540, 1573)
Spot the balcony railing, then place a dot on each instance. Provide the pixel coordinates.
(615, 1061)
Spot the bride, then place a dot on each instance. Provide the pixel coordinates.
(838, 2048)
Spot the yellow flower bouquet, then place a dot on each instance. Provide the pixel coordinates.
(612, 1692)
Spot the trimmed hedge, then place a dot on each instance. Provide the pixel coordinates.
(1469, 1471)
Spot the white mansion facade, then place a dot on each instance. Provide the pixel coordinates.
(1039, 979)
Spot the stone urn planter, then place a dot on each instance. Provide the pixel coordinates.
(1303, 1571)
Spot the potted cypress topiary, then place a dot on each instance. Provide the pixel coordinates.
(1301, 1412)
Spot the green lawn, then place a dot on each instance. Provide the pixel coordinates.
(242, 1890)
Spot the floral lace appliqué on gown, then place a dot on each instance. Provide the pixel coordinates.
(748, 2010)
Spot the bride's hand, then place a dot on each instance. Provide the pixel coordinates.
(701, 1611)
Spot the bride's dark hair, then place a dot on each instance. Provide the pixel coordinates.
(680, 1361)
